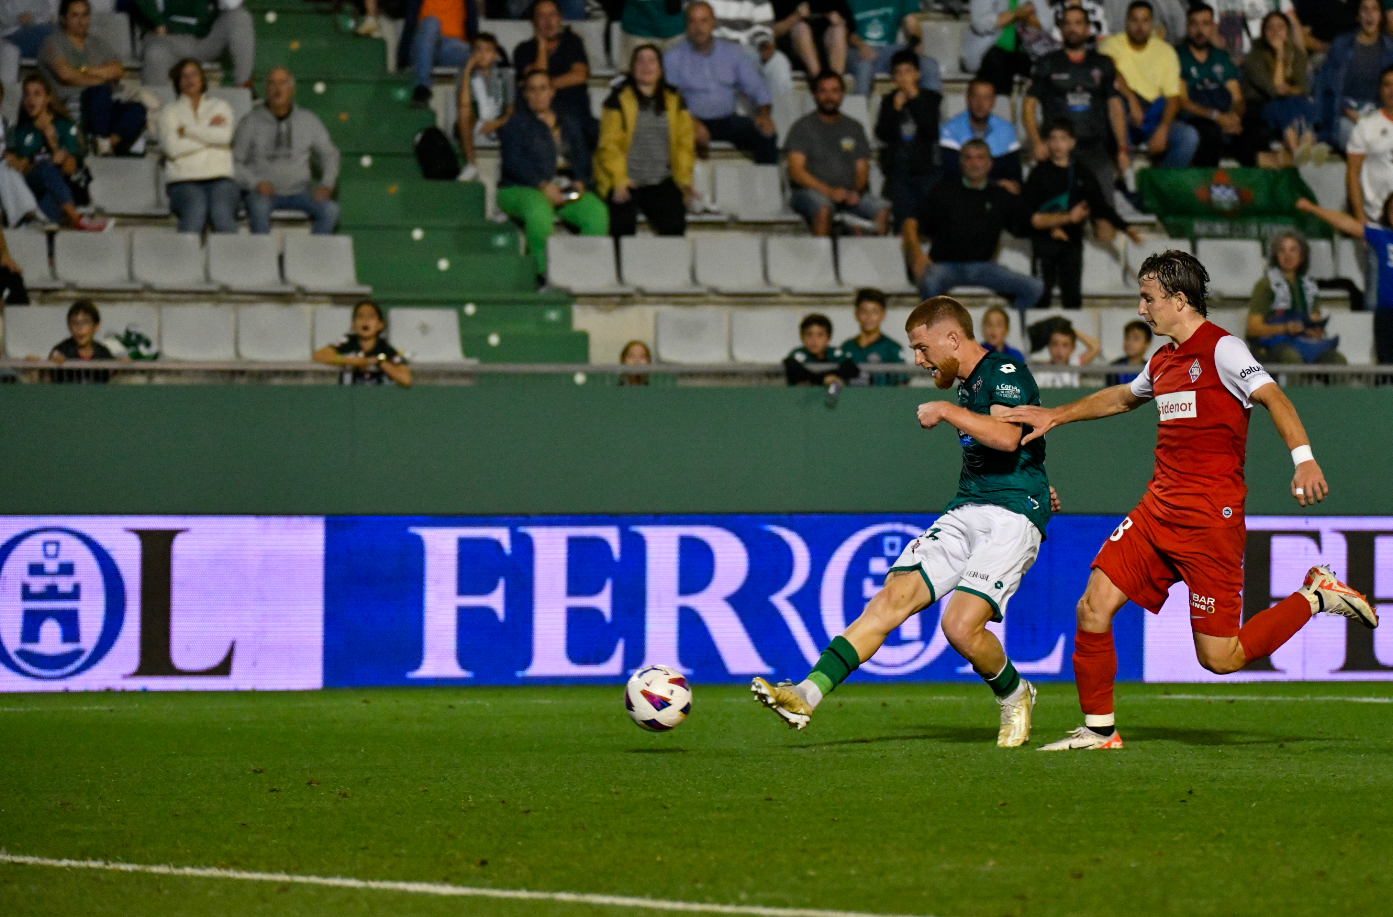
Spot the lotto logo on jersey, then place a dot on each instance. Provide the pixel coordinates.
(1176, 406)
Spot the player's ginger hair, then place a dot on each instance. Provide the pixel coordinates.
(941, 308)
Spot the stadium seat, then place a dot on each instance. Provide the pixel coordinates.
(1015, 254)
(115, 29)
(1356, 333)
(331, 323)
(1234, 321)
(1322, 264)
(1085, 320)
(395, 263)
(583, 264)
(801, 264)
(33, 331)
(426, 335)
(1234, 265)
(509, 32)
(692, 336)
(1102, 272)
(857, 108)
(94, 260)
(763, 335)
(322, 264)
(1112, 325)
(29, 248)
(366, 199)
(730, 262)
(1350, 261)
(245, 263)
(273, 334)
(788, 107)
(1153, 245)
(169, 260)
(873, 261)
(120, 317)
(751, 193)
(943, 41)
(1327, 180)
(126, 185)
(592, 35)
(657, 264)
(239, 97)
(198, 333)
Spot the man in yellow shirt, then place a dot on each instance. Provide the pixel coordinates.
(1149, 74)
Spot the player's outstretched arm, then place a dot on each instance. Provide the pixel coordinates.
(1117, 399)
(991, 430)
(1308, 485)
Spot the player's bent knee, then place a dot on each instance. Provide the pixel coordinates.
(1091, 616)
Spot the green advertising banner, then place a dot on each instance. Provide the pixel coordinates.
(1228, 203)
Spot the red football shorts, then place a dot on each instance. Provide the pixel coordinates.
(1144, 557)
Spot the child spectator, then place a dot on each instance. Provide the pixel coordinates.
(1064, 339)
(17, 201)
(996, 324)
(829, 163)
(84, 321)
(196, 138)
(1061, 196)
(86, 72)
(816, 333)
(364, 353)
(1380, 239)
(871, 346)
(47, 149)
(635, 353)
(908, 128)
(647, 150)
(1284, 320)
(484, 98)
(1136, 341)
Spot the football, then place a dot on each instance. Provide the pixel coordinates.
(658, 698)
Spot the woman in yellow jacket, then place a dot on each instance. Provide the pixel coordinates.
(647, 150)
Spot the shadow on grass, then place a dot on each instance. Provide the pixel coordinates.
(961, 734)
(1189, 736)
(656, 751)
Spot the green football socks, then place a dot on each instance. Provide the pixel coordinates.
(1005, 682)
(838, 661)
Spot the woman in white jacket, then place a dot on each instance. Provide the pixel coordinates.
(196, 137)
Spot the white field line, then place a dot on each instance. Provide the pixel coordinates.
(51, 709)
(1259, 697)
(438, 889)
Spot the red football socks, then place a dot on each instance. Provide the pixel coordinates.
(1095, 671)
(1265, 632)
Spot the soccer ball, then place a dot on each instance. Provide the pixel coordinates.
(658, 698)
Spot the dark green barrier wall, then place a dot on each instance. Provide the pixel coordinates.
(506, 448)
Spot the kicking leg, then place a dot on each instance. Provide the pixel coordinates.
(1095, 666)
(905, 593)
(965, 625)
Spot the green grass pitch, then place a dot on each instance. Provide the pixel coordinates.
(895, 800)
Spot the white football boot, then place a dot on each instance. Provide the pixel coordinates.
(1085, 739)
(784, 700)
(1015, 716)
(1332, 597)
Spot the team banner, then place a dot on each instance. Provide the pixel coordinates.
(1228, 203)
(221, 603)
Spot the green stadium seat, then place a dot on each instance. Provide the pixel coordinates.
(385, 167)
(441, 263)
(322, 57)
(290, 22)
(370, 202)
(386, 131)
(373, 94)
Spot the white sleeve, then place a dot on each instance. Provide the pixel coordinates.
(1239, 370)
(1357, 143)
(1141, 386)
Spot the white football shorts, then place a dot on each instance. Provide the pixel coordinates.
(978, 548)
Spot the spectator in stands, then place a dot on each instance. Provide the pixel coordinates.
(751, 25)
(1284, 320)
(441, 39)
(1080, 84)
(816, 333)
(907, 128)
(86, 72)
(1169, 15)
(1148, 70)
(46, 148)
(484, 100)
(12, 289)
(1369, 159)
(17, 201)
(24, 24)
(994, 44)
(647, 150)
(965, 218)
(870, 345)
(1211, 99)
(558, 52)
(274, 150)
(650, 22)
(84, 321)
(198, 29)
(1347, 85)
(1094, 10)
(813, 33)
(1276, 94)
(370, 24)
(996, 324)
(1061, 198)
(1321, 21)
(829, 165)
(977, 121)
(1064, 339)
(1379, 236)
(196, 139)
(546, 170)
(364, 353)
(874, 37)
(1136, 341)
(635, 353)
(710, 72)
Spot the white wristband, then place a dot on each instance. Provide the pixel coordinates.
(1302, 454)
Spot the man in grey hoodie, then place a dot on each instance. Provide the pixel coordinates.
(272, 152)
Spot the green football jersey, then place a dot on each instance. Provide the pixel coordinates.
(1013, 480)
(883, 350)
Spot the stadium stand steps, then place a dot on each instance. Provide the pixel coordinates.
(371, 202)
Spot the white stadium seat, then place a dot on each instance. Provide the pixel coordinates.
(1014, 254)
(1235, 265)
(426, 335)
(763, 335)
(751, 193)
(583, 264)
(692, 336)
(94, 260)
(201, 333)
(238, 97)
(1112, 325)
(657, 264)
(1153, 245)
(126, 185)
(1327, 180)
(331, 323)
(1356, 333)
(943, 41)
(1234, 321)
(273, 334)
(33, 331)
(801, 264)
(322, 264)
(1322, 265)
(1350, 261)
(1102, 272)
(730, 262)
(169, 260)
(245, 263)
(29, 248)
(873, 261)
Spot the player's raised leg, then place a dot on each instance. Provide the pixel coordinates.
(905, 593)
(1095, 667)
(965, 625)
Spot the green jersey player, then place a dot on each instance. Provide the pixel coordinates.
(978, 549)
